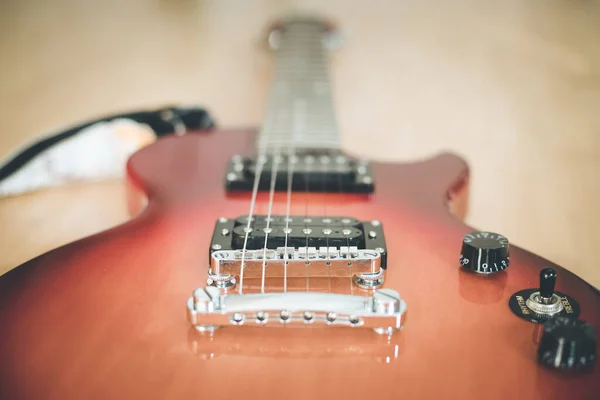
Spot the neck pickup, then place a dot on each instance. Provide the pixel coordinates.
(310, 172)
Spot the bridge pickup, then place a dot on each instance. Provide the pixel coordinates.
(306, 237)
(312, 172)
(208, 309)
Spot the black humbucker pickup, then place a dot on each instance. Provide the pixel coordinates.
(297, 232)
(310, 172)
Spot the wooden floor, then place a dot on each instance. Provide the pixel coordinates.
(512, 86)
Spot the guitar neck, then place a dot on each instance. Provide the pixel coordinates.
(300, 115)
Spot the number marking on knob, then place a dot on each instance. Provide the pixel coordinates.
(484, 252)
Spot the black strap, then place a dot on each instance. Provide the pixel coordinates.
(162, 121)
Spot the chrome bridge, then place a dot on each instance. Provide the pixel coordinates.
(289, 271)
(363, 265)
(209, 308)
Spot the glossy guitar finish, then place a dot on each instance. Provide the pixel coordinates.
(104, 317)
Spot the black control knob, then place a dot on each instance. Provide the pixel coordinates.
(484, 252)
(567, 344)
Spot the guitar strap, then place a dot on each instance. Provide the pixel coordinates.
(94, 150)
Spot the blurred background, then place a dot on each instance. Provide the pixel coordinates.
(513, 87)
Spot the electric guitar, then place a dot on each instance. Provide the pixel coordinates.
(272, 264)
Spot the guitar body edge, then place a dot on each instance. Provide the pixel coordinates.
(104, 317)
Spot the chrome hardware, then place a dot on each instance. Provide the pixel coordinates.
(544, 306)
(543, 303)
(367, 180)
(284, 316)
(346, 261)
(308, 317)
(328, 237)
(261, 317)
(220, 280)
(369, 280)
(237, 319)
(330, 317)
(209, 308)
(232, 176)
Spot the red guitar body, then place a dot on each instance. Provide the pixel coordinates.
(105, 317)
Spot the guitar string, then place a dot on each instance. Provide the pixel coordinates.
(325, 218)
(329, 162)
(299, 115)
(287, 217)
(298, 104)
(297, 127)
(274, 169)
(307, 220)
(263, 145)
(261, 158)
(344, 227)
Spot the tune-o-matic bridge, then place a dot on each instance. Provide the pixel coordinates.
(287, 248)
(348, 262)
(312, 172)
(297, 247)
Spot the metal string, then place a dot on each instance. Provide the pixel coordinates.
(287, 217)
(248, 229)
(345, 226)
(298, 127)
(306, 219)
(259, 169)
(274, 170)
(324, 188)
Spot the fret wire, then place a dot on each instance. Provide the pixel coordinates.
(301, 73)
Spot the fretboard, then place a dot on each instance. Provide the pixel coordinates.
(300, 112)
